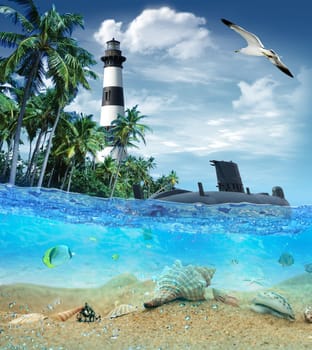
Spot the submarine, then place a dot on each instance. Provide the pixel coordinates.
(230, 190)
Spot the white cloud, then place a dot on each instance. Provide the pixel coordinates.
(257, 98)
(258, 124)
(302, 95)
(147, 103)
(175, 74)
(181, 35)
(87, 104)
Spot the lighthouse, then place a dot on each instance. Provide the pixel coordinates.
(113, 96)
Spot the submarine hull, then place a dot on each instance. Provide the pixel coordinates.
(219, 197)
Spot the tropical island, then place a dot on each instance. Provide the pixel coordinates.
(42, 74)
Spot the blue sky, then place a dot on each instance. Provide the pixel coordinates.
(202, 100)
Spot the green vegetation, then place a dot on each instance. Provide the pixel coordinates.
(62, 146)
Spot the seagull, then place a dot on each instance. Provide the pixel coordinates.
(256, 48)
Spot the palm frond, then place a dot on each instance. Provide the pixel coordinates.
(11, 40)
(71, 20)
(17, 18)
(31, 11)
(57, 68)
(20, 55)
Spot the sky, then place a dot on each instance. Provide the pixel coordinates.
(202, 100)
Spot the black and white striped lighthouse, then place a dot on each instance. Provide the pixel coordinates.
(113, 96)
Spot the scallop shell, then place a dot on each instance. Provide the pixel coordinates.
(28, 318)
(122, 309)
(65, 315)
(274, 304)
(308, 314)
(181, 282)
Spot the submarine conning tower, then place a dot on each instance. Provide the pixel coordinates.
(229, 179)
(228, 176)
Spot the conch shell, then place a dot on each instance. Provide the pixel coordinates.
(181, 282)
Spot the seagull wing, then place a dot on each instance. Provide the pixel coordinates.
(275, 59)
(256, 48)
(251, 38)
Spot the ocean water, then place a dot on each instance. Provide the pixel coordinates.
(109, 237)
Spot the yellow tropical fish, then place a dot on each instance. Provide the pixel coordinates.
(115, 256)
(57, 256)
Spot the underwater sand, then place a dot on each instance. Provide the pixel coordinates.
(176, 325)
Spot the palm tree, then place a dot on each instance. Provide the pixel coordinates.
(125, 130)
(166, 183)
(78, 71)
(106, 169)
(8, 115)
(137, 170)
(43, 43)
(37, 122)
(81, 139)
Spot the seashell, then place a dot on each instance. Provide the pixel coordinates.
(65, 315)
(220, 295)
(181, 282)
(308, 314)
(274, 304)
(122, 309)
(28, 318)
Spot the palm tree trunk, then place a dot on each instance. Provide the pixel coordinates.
(70, 177)
(48, 150)
(120, 154)
(18, 130)
(6, 162)
(33, 160)
(65, 176)
(50, 177)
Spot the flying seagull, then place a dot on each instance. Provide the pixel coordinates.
(256, 48)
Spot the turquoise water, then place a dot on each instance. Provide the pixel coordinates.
(243, 242)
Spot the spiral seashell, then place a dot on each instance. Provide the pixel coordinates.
(122, 309)
(65, 315)
(308, 314)
(28, 318)
(181, 282)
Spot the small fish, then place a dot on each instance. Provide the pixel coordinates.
(147, 234)
(115, 256)
(234, 261)
(308, 267)
(57, 256)
(286, 259)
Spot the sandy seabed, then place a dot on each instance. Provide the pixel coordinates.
(177, 325)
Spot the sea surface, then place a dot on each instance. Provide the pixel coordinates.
(108, 237)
